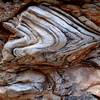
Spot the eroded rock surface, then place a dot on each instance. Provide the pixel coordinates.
(9, 10)
(73, 77)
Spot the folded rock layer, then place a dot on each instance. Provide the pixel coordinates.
(50, 52)
(46, 34)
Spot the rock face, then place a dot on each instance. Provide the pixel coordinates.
(8, 10)
(45, 35)
(50, 52)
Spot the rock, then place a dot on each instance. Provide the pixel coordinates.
(64, 73)
(67, 82)
(8, 10)
(90, 12)
(63, 42)
(82, 97)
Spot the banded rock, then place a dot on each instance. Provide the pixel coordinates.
(48, 35)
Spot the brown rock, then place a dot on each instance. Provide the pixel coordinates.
(92, 12)
(8, 10)
(73, 9)
(44, 82)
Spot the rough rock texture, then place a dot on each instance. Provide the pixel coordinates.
(85, 12)
(8, 10)
(78, 79)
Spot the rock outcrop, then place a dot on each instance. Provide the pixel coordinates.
(50, 52)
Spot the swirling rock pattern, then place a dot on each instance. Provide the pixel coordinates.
(41, 35)
(47, 35)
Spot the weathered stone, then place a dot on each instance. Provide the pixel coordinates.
(73, 77)
(8, 10)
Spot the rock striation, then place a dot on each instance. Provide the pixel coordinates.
(50, 52)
